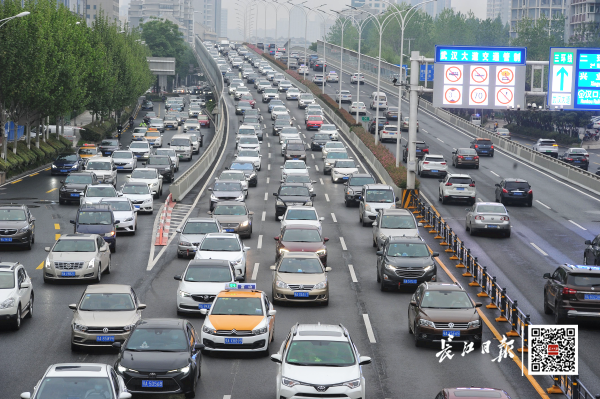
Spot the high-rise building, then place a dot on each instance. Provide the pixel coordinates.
(90, 9)
(357, 3)
(223, 31)
(179, 12)
(499, 8)
(580, 13)
(434, 8)
(209, 14)
(535, 9)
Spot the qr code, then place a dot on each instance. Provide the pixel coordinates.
(552, 350)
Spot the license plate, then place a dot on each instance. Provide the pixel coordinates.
(450, 333)
(120, 167)
(345, 178)
(468, 159)
(434, 171)
(409, 281)
(108, 152)
(577, 161)
(229, 230)
(6, 239)
(492, 226)
(418, 150)
(152, 384)
(548, 150)
(204, 306)
(74, 194)
(237, 341)
(137, 206)
(460, 188)
(63, 171)
(105, 338)
(138, 155)
(591, 297)
(517, 193)
(300, 294)
(68, 274)
(483, 150)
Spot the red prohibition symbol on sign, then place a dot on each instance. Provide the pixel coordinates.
(453, 74)
(452, 95)
(479, 75)
(504, 96)
(478, 96)
(505, 76)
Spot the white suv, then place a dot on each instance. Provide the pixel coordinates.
(457, 187)
(16, 294)
(357, 78)
(317, 360)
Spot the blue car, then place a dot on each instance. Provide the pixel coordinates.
(97, 219)
(66, 163)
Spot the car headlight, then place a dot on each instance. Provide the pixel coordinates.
(23, 229)
(322, 251)
(428, 268)
(79, 327)
(289, 382)
(183, 370)
(74, 166)
(390, 267)
(184, 294)
(367, 207)
(155, 184)
(9, 303)
(47, 265)
(474, 323)
(236, 262)
(244, 223)
(283, 250)
(129, 327)
(321, 285)
(240, 198)
(426, 323)
(308, 203)
(281, 284)
(129, 220)
(185, 244)
(213, 198)
(280, 202)
(352, 384)
(53, 166)
(91, 263)
(328, 163)
(208, 330)
(123, 369)
(109, 234)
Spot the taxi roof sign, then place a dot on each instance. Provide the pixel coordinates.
(585, 267)
(89, 145)
(236, 286)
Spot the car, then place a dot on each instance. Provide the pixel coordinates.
(183, 146)
(234, 85)
(357, 78)
(303, 238)
(318, 141)
(404, 262)
(353, 187)
(319, 79)
(249, 170)
(77, 257)
(390, 133)
(331, 130)
(279, 110)
(374, 198)
(284, 86)
(253, 116)
(201, 282)
(305, 99)
(204, 120)
(457, 187)
(291, 194)
(87, 151)
(248, 98)
(405, 124)
(343, 96)
(503, 132)
(171, 153)
(462, 157)
(431, 164)
(124, 160)
(239, 91)
(249, 155)
(108, 146)
(104, 168)
(92, 194)
(314, 122)
(74, 185)
(273, 104)
(393, 222)
(171, 348)
(300, 277)
(391, 114)
(546, 147)
(292, 94)
(278, 78)
(288, 133)
(141, 149)
(147, 105)
(105, 313)
(236, 175)
(307, 360)
(488, 216)
(293, 167)
(358, 107)
(125, 212)
(342, 169)
(439, 310)
(294, 149)
(192, 233)
(483, 147)
(140, 195)
(511, 190)
(379, 122)
(472, 392)
(569, 292)
(171, 120)
(191, 125)
(422, 149)
(577, 157)
(332, 77)
(313, 110)
(226, 246)
(241, 319)
(139, 133)
(197, 139)
(269, 94)
(149, 176)
(331, 157)
(301, 215)
(303, 70)
(248, 143)
(80, 380)
(163, 164)
(233, 217)
(97, 219)
(378, 101)
(157, 124)
(304, 179)
(16, 294)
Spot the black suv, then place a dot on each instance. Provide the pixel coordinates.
(249, 170)
(108, 146)
(318, 140)
(382, 122)
(164, 164)
(571, 292)
(576, 157)
(17, 226)
(74, 185)
(483, 147)
(422, 150)
(353, 187)
(97, 219)
(292, 194)
(514, 191)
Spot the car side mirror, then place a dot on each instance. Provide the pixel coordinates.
(209, 212)
(441, 181)
(276, 238)
(397, 199)
(73, 306)
(272, 312)
(246, 248)
(198, 347)
(374, 224)
(251, 213)
(328, 269)
(478, 304)
(413, 303)
(114, 168)
(280, 218)
(27, 395)
(275, 194)
(125, 395)
(321, 219)
(273, 267)
(168, 143)
(313, 195)
(274, 358)
(141, 306)
(62, 182)
(204, 312)
(116, 345)
(547, 275)
(364, 360)
(178, 277)
(117, 221)
(178, 230)
(588, 242)
(47, 249)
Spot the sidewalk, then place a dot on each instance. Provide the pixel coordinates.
(82, 119)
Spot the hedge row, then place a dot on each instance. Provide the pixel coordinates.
(535, 133)
(30, 158)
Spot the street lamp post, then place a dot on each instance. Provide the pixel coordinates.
(348, 19)
(19, 15)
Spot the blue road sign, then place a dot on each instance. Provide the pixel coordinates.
(429, 73)
(481, 55)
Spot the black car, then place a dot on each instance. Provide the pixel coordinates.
(422, 150)
(319, 65)
(405, 262)
(249, 170)
(74, 185)
(97, 219)
(576, 157)
(228, 76)
(391, 114)
(147, 105)
(161, 356)
(17, 226)
(353, 187)
(66, 163)
(252, 78)
(483, 147)
(279, 124)
(108, 146)
(292, 194)
(514, 191)
(318, 140)
(164, 164)
(312, 58)
(226, 190)
(242, 107)
(382, 122)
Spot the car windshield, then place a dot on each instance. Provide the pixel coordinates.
(300, 265)
(88, 151)
(107, 302)
(118, 205)
(483, 142)
(345, 164)
(306, 97)
(584, 280)
(247, 131)
(314, 118)
(157, 339)
(158, 161)
(75, 246)
(226, 186)
(321, 137)
(301, 235)
(79, 179)
(391, 129)
(297, 179)
(328, 128)
(294, 165)
(240, 306)
(502, 130)
(293, 191)
(248, 140)
(220, 244)
(410, 250)
(446, 300)
(361, 181)
(7, 280)
(460, 180)
(139, 146)
(295, 147)
(398, 222)
(320, 353)
(208, 274)
(75, 387)
(547, 142)
(181, 142)
(143, 174)
(491, 209)
(337, 155)
(122, 155)
(109, 142)
(251, 119)
(516, 186)
(467, 151)
(94, 217)
(242, 166)
(98, 166)
(230, 210)
(232, 176)
(94, 191)
(301, 214)
(135, 189)
(386, 196)
(12, 215)
(165, 151)
(200, 228)
(67, 158)
(248, 153)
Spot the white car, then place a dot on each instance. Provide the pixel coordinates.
(358, 107)
(457, 187)
(278, 78)
(287, 135)
(171, 121)
(304, 215)
(305, 100)
(261, 85)
(226, 246)
(233, 86)
(95, 194)
(269, 93)
(303, 69)
(250, 156)
(104, 169)
(241, 91)
(124, 160)
(389, 132)
(139, 133)
(141, 149)
(284, 85)
(292, 94)
(171, 153)
(344, 95)
(125, 212)
(294, 168)
(278, 110)
(200, 283)
(330, 129)
(16, 294)
(432, 165)
(332, 146)
(151, 177)
(140, 196)
(342, 169)
(288, 139)
(237, 175)
(319, 79)
(157, 123)
(248, 143)
(356, 78)
(319, 357)
(332, 77)
(191, 125)
(196, 141)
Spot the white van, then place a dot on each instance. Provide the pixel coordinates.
(381, 97)
(182, 144)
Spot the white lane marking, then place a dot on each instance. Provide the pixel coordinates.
(313, 156)
(268, 179)
(578, 225)
(269, 167)
(299, 127)
(266, 196)
(352, 274)
(317, 168)
(539, 249)
(343, 244)
(542, 204)
(494, 173)
(259, 245)
(264, 216)
(255, 271)
(370, 333)
(424, 131)
(226, 396)
(303, 135)
(321, 180)
(333, 217)
(269, 155)
(479, 199)
(264, 126)
(440, 139)
(269, 145)
(327, 197)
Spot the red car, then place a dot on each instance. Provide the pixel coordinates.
(203, 120)
(314, 122)
(251, 103)
(248, 97)
(301, 238)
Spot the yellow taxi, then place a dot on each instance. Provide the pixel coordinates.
(88, 151)
(241, 319)
(154, 137)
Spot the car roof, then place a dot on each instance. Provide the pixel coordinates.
(96, 207)
(230, 203)
(482, 392)
(78, 236)
(304, 255)
(148, 169)
(330, 332)
(8, 266)
(515, 180)
(361, 175)
(109, 288)
(395, 211)
(159, 322)
(201, 219)
(443, 286)
(209, 262)
(221, 235)
(240, 293)
(377, 186)
(582, 268)
(135, 183)
(12, 206)
(301, 226)
(77, 370)
(458, 175)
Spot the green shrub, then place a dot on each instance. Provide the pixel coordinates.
(539, 133)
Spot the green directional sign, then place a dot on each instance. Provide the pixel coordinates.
(366, 119)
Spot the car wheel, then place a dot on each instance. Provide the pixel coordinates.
(30, 243)
(382, 287)
(507, 234)
(467, 227)
(29, 314)
(547, 309)
(374, 243)
(108, 268)
(559, 318)
(439, 196)
(191, 394)
(378, 275)
(17, 322)
(471, 231)
(179, 255)
(99, 274)
(74, 348)
(530, 203)
(365, 224)
(418, 342)
(61, 201)
(410, 331)
(476, 166)
(444, 201)
(113, 248)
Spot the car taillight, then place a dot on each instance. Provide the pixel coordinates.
(530, 192)
(569, 291)
(476, 157)
(448, 184)
(504, 218)
(443, 163)
(479, 217)
(476, 146)
(568, 159)
(425, 149)
(425, 163)
(492, 147)
(504, 191)
(460, 157)
(472, 184)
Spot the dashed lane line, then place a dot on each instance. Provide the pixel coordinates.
(264, 215)
(268, 179)
(327, 197)
(321, 180)
(440, 139)
(56, 226)
(333, 217)
(255, 271)
(317, 168)
(313, 156)
(56, 236)
(266, 196)
(542, 204)
(269, 167)
(352, 274)
(539, 249)
(370, 332)
(578, 225)
(259, 245)
(343, 243)
(494, 173)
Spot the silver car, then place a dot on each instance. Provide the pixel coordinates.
(487, 216)
(124, 160)
(123, 210)
(393, 222)
(192, 233)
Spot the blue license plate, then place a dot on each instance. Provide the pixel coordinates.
(67, 274)
(204, 306)
(483, 150)
(63, 171)
(492, 226)
(434, 171)
(74, 194)
(138, 155)
(517, 193)
(105, 338)
(345, 178)
(468, 159)
(450, 333)
(120, 167)
(108, 152)
(137, 206)
(229, 230)
(6, 239)
(577, 161)
(300, 294)
(460, 188)
(418, 150)
(236, 341)
(409, 281)
(591, 297)
(152, 384)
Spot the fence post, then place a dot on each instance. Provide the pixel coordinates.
(514, 319)
(554, 388)
(474, 283)
(438, 228)
(444, 242)
(433, 222)
(461, 256)
(469, 261)
(484, 280)
(494, 295)
(525, 347)
(453, 247)
(502, 317)
(428, 212)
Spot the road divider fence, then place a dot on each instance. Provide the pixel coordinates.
(162, 235)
